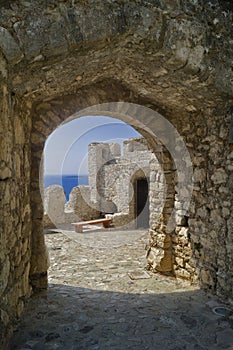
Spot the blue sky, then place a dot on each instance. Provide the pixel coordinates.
(66, 149)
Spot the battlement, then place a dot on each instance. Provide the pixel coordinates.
(132, 145)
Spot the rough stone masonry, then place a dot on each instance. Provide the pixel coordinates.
(58, 57)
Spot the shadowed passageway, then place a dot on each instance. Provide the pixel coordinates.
(102, 298)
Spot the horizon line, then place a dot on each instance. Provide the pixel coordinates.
(66, 174)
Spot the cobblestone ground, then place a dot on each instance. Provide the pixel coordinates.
(101, 297)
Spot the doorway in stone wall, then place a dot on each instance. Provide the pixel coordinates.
(110, 168)
(138, 117)
(141, 190)
(82, 274)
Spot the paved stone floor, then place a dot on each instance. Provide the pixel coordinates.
(101, 297)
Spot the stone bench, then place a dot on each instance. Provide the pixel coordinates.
(78, 226)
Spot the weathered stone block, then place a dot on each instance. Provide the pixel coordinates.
(154, 257)
(81, 205)
(166, 263)
(54, 203)
(4, 318)
(5, 172)
(179, 262)
(4, 274)
(206, 278)
(9, 46)
(183, 273)
(219, 177)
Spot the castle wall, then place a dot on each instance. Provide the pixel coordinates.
(54, 203)
(15, 211)
(98, 155)
(114, 178)
(81, 205)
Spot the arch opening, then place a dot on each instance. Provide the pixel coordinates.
(96, 161)
(163, 219)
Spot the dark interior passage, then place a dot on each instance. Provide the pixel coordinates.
(141, 203)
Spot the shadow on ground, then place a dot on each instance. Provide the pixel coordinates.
(74, 318)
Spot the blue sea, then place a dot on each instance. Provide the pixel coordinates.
(66, 181)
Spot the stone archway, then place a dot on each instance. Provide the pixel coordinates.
(132, 114)
(174, 57)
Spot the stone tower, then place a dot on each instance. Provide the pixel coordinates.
(99, 153)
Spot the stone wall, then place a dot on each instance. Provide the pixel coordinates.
(15, 211)
(81, 205)
(98, 155)
(57, 58)
(54, 204)
(116, 177)
(210, 214)
(60, 214)
(169, 251)
(111, 177)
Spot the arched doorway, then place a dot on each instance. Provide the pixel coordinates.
(157, 131)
